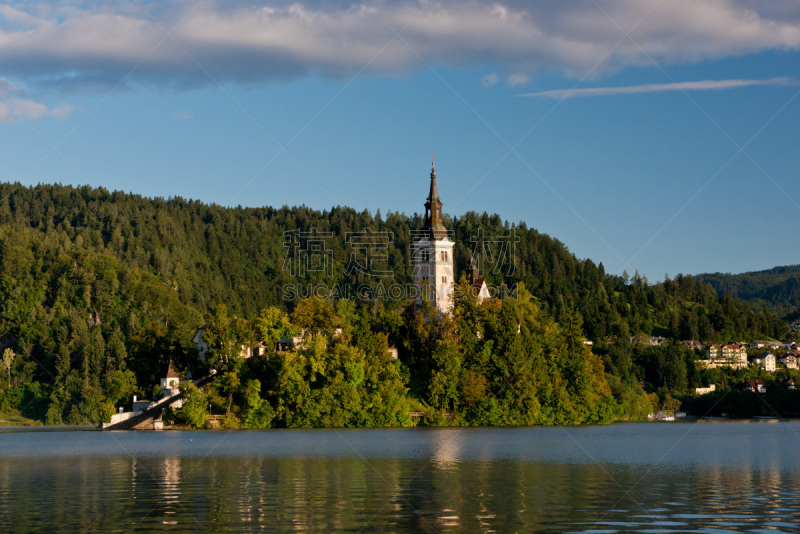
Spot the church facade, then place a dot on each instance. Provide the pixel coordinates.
(432, 256)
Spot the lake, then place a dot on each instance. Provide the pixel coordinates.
(643, 477)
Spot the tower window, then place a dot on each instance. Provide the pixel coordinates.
(444, 255)
(444, 279)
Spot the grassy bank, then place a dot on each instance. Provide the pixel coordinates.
(16, 420)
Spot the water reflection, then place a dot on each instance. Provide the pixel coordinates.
(455, 481)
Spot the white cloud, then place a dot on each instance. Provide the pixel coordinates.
(6, 88)
(14, 108)
(491, 80)
(518, 79)
(705, 85)
(77, 43)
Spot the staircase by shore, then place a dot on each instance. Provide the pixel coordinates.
(150, 418)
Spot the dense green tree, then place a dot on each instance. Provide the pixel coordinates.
(271, 325)
(258, 412)
(195, 403)
(94, 283)
(227, 336)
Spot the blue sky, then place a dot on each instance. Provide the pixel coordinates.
(652, 135)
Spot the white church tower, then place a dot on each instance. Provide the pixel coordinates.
(432, 254)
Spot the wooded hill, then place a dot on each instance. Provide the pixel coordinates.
(776, 289)
(150, 271)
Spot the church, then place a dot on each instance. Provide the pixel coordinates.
(432, 255)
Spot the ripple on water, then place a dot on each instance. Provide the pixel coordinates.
(454, 481)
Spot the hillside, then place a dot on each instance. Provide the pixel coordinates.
(148, 272)
(204, 255)
(776, 289)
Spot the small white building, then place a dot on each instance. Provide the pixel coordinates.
(171, 384)
(202, 346)
(766, 361)
(705, 391)
(171, 381)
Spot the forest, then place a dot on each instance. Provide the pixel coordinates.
(776, 289)
(100, 290)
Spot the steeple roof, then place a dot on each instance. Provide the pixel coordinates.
(433, 211)
(172, 372)
(434, 194)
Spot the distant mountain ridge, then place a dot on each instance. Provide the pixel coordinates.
(776, 289)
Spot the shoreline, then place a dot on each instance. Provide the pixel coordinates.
(55, 428)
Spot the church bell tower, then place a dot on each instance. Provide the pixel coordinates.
(432, 255)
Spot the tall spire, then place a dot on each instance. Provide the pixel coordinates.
(433, 210)
(434, 194)
(433, 255)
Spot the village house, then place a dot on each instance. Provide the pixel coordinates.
(756, 386)
(705, 391)
(654, 341)
(287, 343)
(260, 348)
(789, 360)
(760, 344)
(786, 383)
(733, 355)
(765, 361)
(693, 345)
(202, 346)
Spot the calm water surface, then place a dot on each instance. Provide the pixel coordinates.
(670, 477)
